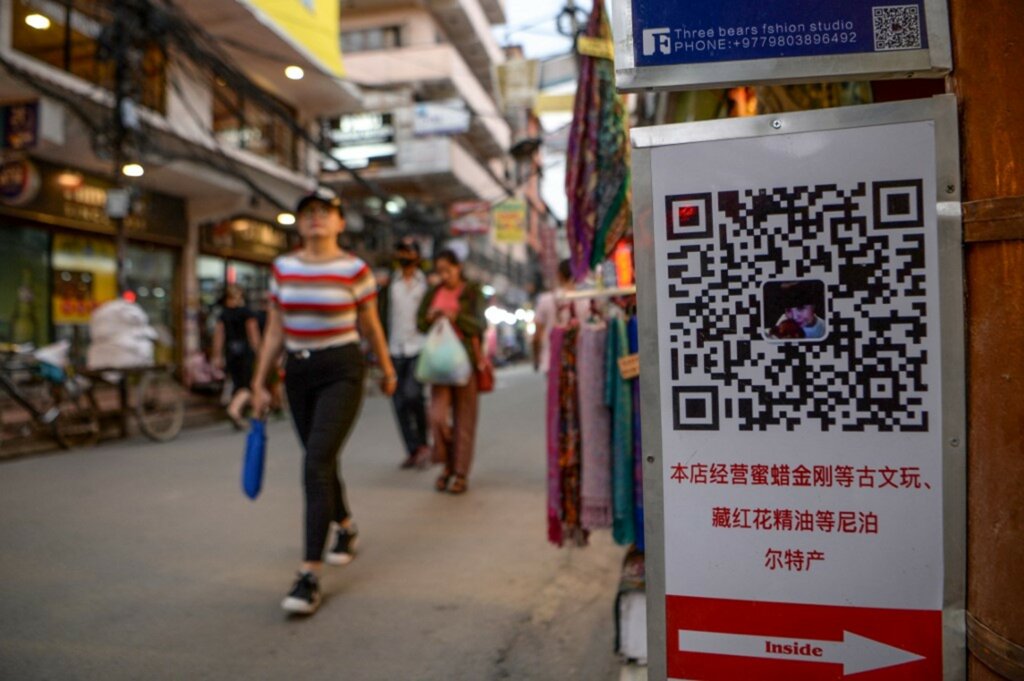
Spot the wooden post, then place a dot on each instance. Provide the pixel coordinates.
(988, 53)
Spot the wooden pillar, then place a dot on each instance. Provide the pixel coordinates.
(988, 54)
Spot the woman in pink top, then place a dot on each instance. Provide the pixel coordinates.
(453, 409)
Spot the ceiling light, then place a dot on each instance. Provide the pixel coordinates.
(133, 170)
(294, 72)
(38, 21)
(69, 179)
(285, 219)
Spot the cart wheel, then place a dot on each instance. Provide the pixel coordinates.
(159, 406)
(78, 421)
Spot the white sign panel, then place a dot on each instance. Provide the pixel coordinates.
(800, 335)
(450, 117)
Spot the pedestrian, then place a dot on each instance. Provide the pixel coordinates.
(321, 296)
(453, 409)
(400, 304)
(235, 340)
(553, 311)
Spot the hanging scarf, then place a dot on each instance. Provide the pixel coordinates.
(597, 180)
(595, 429)
(553, 411)
(619, 398)
(569, 439)
(633, 331)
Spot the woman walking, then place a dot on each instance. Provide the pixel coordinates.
(235, 340)
(453, 409)
(321, 296)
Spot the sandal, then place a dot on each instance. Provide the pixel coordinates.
(459, 486)
(441, 484)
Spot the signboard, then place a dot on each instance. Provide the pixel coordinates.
(803, 394)
(247, 239)
(361, 140)
(78, 200)
(509, 219)
(450, 117)
(470, 217)
(518, 82)
(692, 45)
(19, 126)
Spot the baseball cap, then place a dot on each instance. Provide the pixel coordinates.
(407, 244)
(321, 194)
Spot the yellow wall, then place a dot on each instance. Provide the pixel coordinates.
(310, 24)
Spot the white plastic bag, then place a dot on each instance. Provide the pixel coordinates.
(443, 360)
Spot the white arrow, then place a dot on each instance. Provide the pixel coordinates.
(856, 653)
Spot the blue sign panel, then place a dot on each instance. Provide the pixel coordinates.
(670, 32)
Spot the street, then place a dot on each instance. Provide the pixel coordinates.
(140, 560)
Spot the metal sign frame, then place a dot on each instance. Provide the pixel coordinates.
(942, 111)
(935, 61)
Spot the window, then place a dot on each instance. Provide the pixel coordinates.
(240, 123)
(66, 35)
(369, 39)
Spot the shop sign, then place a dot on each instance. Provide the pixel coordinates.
(518, 82)
(803, 394)
(509, 218)
(19, 182)
(19, 126)
(470, 217)
(710, 43)
(362, 139)
(246, 238)
(450, 117)
(83, 203)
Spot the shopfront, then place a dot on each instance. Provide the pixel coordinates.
(58, 257)
(239, 251)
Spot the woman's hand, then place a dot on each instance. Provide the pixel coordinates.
(260, 401)
(389, 383)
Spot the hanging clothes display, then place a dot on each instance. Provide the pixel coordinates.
(597, 180)
(593, 431)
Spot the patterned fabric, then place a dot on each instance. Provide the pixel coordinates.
(569, 439)
(597, 179)
(553, 410)
(595, 429)
(619, 398)
(319, 301)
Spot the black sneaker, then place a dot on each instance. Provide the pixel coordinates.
(344, 549)
(304, 598)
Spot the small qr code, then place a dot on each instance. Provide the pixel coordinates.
(799, 307)
(897, 27)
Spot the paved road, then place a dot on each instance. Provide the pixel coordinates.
(144, 561)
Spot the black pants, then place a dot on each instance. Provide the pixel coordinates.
(325, 391)
(410, 404)
(239, 368)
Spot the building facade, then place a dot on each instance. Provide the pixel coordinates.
(222, 135)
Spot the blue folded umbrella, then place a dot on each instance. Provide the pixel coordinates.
(255, 456)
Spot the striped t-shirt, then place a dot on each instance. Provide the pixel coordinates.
(319, 301)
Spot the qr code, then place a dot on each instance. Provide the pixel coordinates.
(799, 307)
(897, 27)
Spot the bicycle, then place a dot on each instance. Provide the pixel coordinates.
(58, 401)
(151, 393)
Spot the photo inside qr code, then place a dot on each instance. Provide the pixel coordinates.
(796, 311)
(897, 27)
